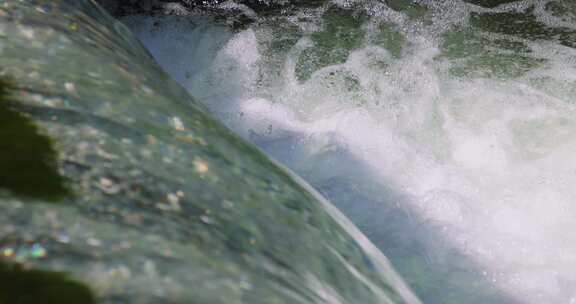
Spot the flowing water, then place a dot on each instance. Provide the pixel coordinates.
(445, 130)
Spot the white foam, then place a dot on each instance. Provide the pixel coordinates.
(491, 161)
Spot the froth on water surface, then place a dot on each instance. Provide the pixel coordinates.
(444, 129)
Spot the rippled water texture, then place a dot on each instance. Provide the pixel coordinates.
(444, 129)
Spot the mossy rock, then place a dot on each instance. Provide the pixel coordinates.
(523, 25)
(341, 33)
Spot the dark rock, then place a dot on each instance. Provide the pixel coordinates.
(131, 7)
(490, 3)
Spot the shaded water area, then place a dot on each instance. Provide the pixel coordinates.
(444, 129)
(26, 156)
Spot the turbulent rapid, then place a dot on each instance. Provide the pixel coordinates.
(445, 130)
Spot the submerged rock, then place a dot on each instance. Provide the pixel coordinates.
(238, 14)
(162, 204)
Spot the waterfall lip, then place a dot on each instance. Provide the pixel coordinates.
(377, 256)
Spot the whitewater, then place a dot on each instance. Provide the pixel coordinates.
(445, 130)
